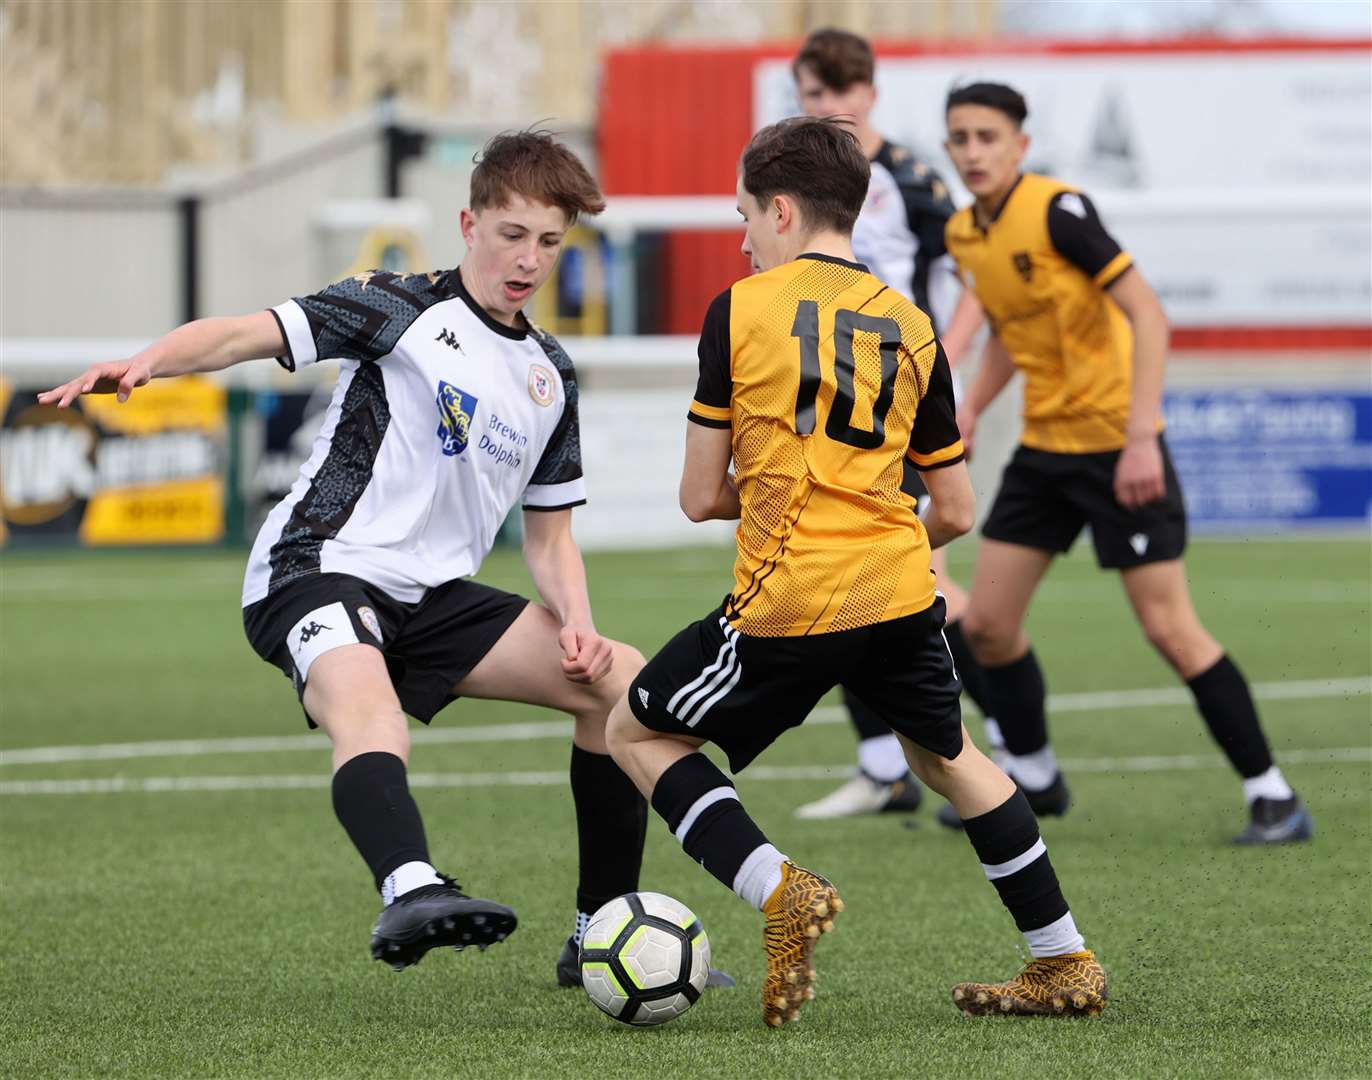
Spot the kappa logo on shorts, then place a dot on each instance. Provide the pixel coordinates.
(643, 696)
(368, 619)
(310, 631)
(317, 632)
(456, 408)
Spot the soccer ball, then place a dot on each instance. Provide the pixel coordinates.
(644, 958)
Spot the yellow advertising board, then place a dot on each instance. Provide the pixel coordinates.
(148, 471)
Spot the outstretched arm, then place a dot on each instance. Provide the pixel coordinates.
(555, 564)
(202, 345)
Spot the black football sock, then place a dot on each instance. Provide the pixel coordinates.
(702, 809)
(1222, 696)
(1016, 694)
(611, 820)
(1015, 860)
(371, 797)
(972, 674)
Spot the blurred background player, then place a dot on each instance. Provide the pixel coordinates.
(1068, 308)
(899, 236)
(451, 409)
(818, 380)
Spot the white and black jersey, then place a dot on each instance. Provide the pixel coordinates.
(442, 421)
(899, 233)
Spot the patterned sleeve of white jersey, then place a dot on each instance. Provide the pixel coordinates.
(557, 482)
(359, 318)
(928, 205)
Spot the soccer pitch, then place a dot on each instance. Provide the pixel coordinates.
(193, 908)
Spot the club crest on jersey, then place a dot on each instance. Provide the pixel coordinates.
(1023, 264)
(541, 384)
(455, 411)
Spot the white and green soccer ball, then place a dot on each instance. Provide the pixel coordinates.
(644, 958)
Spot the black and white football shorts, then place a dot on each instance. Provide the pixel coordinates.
(1045, 499)
(741, 692)
(429, 646)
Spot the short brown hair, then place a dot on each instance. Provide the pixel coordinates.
(535, 165)
(817, 162)
(838, 58)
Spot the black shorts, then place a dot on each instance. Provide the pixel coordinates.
(429, 646)
(741, 692)
(1045, 499)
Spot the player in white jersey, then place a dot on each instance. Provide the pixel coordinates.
(899, 235)
(450, 409)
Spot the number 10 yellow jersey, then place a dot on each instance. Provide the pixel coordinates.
(829, 380)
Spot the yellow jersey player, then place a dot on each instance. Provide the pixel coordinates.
(818, 381)
(1069, 309)
(899, 237)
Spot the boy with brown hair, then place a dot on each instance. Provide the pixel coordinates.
(451, 408)
(899, 236)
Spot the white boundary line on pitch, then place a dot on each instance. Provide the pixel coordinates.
(1097, 701)
(295, 782)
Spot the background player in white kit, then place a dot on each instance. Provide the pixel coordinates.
(899, 236)
(450, 410)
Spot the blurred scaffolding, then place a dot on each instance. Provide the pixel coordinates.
(125, 91)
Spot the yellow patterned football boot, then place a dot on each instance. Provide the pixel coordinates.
(802, 907)
(1070, 985)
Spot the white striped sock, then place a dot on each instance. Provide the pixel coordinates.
(714, 795)
(405, 878)
(1268, 785)
(1034, 771)
(1058, 937)
(759, 875)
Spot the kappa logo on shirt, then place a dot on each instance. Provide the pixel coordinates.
(456, 408)
(450, 339)
(1024, 264)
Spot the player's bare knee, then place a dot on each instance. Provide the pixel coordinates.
(622, 729)
(608, 691)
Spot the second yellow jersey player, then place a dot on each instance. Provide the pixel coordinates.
(1040, 270)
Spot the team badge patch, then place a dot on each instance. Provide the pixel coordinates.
(541, 384)
(455, 411)
(370, 621)
(1023, 264)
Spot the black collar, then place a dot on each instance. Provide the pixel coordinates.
(833, 259)
(456, 288)
(995, 214)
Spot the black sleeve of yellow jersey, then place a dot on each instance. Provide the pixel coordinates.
(935, 441)
(715, 387)
(1079, 236)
